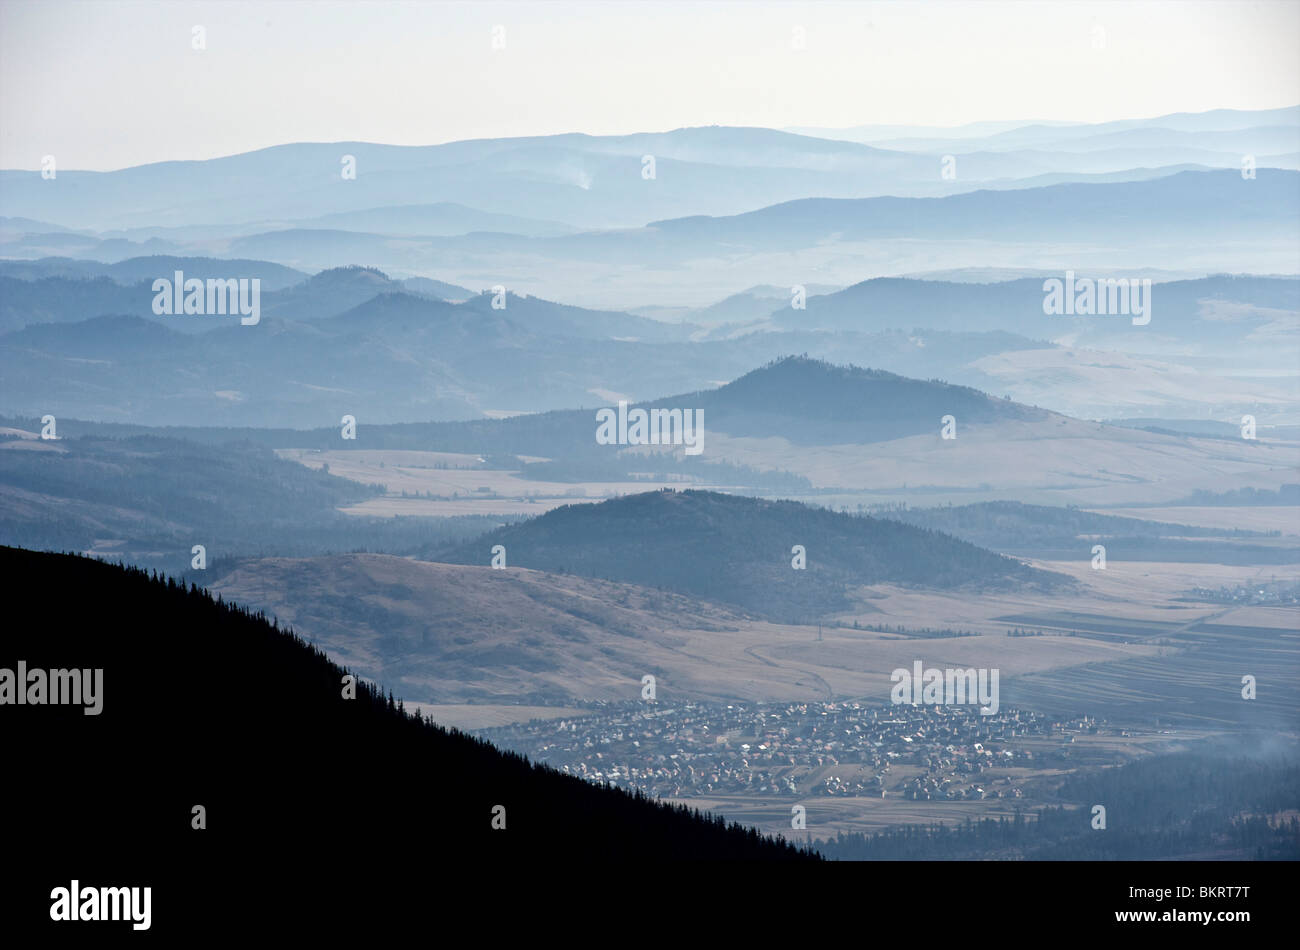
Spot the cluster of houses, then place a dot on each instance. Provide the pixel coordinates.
(687, 749)
(1271, 594)
(947, 788)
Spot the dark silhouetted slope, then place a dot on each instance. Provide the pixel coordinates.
(206, 704)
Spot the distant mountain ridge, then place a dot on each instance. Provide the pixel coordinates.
(1026, 132)
(1202, 203)
(803, 400)
(341, 333)
(587, 181)
(134, 270)
(1180, 307)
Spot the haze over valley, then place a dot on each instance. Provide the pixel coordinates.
(825, 457)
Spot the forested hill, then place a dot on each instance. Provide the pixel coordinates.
(738, 550)
(206, 704)
(814, 402)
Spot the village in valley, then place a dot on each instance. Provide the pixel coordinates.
(796, 750)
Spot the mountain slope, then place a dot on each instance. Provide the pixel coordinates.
(812, 402)
(738, 550)
(213, 706)
(573, 179)
(452, 633)
(439, 219)
(1219, 309)
(1215, 203)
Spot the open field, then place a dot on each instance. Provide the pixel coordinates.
(827, 817)
(457, 487)
(1057, 461)
(1122, 645)
(1196, 653)
(1199, 682)
(1096, 382)
(1284, 518)
(398, 507)
(1125, 590)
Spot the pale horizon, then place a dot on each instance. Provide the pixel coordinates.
(104, 87)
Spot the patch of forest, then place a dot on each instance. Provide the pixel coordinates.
(742, 551)
(1212, 800)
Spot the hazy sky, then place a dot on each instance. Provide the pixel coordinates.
(102, 84)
